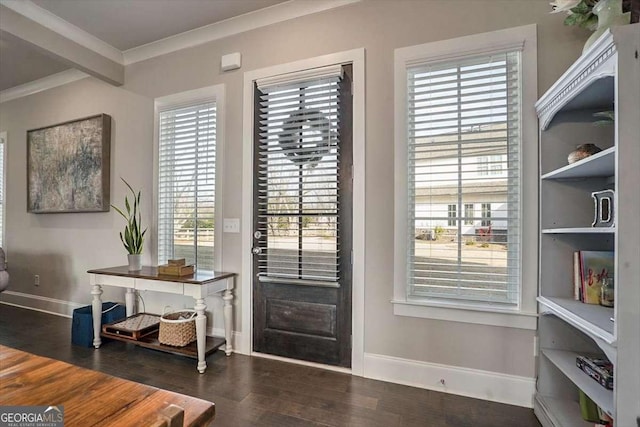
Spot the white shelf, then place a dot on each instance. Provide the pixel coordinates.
(560, 412)
(565, 361)
(588, 83)
(602, 79)
(601, 164)
(580, 230)
(593, 320)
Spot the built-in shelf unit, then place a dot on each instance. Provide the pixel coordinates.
(605, 78)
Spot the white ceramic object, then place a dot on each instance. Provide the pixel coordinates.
(609, 14)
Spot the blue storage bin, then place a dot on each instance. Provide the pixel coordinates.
(82, 324)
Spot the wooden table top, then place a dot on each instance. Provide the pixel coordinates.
(90, 398)
(151, 273)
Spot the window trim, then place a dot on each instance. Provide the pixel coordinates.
(217, 93)
(447, 50)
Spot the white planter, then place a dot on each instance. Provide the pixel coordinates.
(135, 262)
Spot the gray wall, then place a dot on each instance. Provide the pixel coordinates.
(62, 247)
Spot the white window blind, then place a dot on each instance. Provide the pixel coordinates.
(186, 184)
(463, 149)
(298, 178)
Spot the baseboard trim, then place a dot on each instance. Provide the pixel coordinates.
(486, 385)
(48, 305)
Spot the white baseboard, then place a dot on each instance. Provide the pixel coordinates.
(39, 303)
(486, 385)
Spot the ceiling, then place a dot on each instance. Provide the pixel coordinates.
(21, 63)
(123, 24)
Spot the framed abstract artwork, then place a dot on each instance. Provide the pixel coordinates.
(68, 166)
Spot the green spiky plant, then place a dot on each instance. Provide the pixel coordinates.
(133, 237)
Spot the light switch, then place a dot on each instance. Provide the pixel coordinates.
(231, 225)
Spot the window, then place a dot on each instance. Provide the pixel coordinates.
(462, 108)
(186, 182)
(299, 189)
(460, 101)
(451, 214)
(491, 165)
(3, 142)
(468, 214)
(486, 215)
(483, 166)
(496, 165)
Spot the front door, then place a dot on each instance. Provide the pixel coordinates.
(302, 217)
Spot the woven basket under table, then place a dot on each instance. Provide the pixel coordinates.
(178, 328)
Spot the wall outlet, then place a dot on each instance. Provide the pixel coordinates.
(36, 280)
(231, 225)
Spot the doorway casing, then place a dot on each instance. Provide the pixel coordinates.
(357, 58)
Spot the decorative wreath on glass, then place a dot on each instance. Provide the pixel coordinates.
(307, 136)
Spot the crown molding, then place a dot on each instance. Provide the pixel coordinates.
(66, 29)
(238, 24)
(260, 18)
(42, 84)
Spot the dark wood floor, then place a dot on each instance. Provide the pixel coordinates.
(250, 391)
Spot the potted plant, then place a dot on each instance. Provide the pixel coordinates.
(133, 236)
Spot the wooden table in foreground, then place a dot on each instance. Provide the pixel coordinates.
(198, 286)
(90, 398)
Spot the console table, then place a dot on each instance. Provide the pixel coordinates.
(198, 286)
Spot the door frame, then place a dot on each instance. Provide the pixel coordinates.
(357, 58)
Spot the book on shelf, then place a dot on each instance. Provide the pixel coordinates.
(577, 277)
(590, 268)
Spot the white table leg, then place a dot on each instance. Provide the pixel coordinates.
(228, 320)
(201, 329)
(96, 311)
(130, 301)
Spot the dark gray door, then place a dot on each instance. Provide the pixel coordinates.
(303, 219)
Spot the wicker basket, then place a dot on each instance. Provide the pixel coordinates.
(178, 328)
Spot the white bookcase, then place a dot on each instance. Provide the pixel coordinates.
(607, 77)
